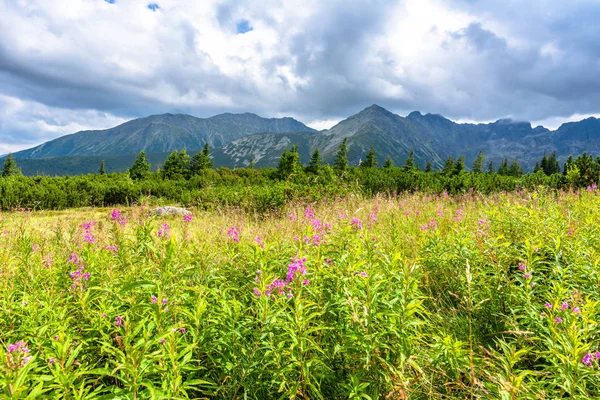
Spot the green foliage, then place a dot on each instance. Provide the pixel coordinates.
(201, 161)
(370, 160)
(177, 166)
(428, 297)
(515, 168)
(140, 168)
(289, 164)
(503, 169)
(340, 163)
(478, 163)
(448, 166)
(460, 165)
(102, 171)
(428, 166)
(10, 167)
(410, 164)
(389, 163)
(315, 162)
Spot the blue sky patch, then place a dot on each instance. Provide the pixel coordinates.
(153, 6)
(111, 1)
(243, 26)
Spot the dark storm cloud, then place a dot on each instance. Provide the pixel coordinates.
(479, 60)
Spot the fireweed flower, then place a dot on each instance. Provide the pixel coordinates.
(118, 321)
(154, 299)
(164, 231)
(116, 216)
(548, 305)
(305, 282)
(587, 360)
(187, 218)
(316, 240)
(362, 274)
(18, 354)
(309, 213)
(316, 224)
(257, 292)
(233, 234)
(73, 258)
(260, 242)
(164, 301)
(280, 286)
(356, 224)
(522, 266)
(48, 261)
(558, 320)
(576, 310)
(78, 277)
(527, 276)
(88, 236)
(564, 305)
(459, 214)
(113, 249)
(292, 217)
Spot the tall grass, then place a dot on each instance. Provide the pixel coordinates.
(414, 297)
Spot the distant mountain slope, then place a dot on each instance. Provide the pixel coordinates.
(163, 133)
(236, 138)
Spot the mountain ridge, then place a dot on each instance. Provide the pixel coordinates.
(236, 138)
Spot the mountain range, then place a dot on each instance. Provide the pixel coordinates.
(236, 138)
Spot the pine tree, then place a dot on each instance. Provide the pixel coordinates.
(460, 165)
(491, 169)
(515, 168)
(428, 166)
(537, 167)
(341, 159)
(371, 160)
(10, 167)
(553, 164)
(251, 163)
(448, 165)
(176, 166)
(503, 170)
(315, 162)
(201, 160)
(289, 163)
(410, 164)
(569, 163)
(102, 170)
(478, 163)
(140, 168)
(389, 163)
(544, 165)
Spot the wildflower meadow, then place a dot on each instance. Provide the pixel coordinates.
(418, 296)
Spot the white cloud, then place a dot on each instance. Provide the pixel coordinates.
(85, 64)
(323, 123)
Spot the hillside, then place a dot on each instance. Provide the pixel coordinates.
(237, 138)
(163, 133)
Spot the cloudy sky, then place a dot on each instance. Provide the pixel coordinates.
(90, 64)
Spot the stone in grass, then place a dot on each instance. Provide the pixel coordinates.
(169, 210)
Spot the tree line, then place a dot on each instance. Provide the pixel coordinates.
(194, 181)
